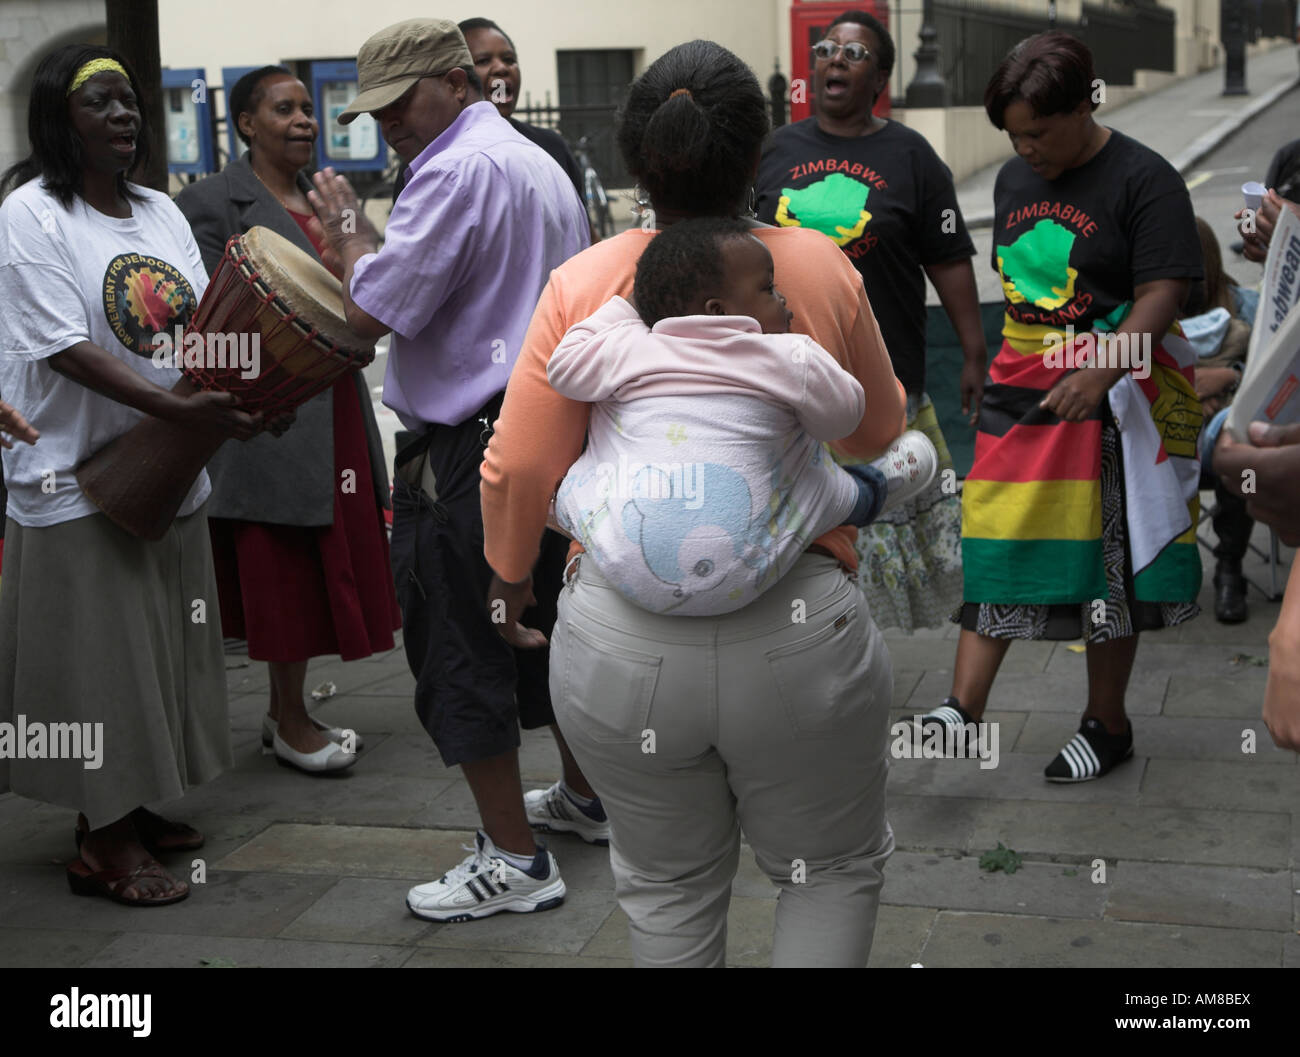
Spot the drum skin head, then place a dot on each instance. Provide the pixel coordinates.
(303, 284)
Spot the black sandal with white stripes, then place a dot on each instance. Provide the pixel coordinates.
(951, 723)
(1090, 754)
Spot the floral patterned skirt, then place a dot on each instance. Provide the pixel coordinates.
(910, 558)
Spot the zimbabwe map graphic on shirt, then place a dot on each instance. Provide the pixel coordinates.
(835, 205)
(1032, 503)
(144, 296)
(1036, 266)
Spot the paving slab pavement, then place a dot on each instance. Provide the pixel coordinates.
(1200, 840)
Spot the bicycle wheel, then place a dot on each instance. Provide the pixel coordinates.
(603, 222)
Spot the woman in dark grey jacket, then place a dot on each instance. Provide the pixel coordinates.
(297, 522)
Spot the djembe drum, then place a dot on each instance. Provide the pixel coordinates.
(267, 288)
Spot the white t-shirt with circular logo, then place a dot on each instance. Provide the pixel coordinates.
(74, 275)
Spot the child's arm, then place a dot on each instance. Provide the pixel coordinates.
(873, 490)
(830, 401)
(587, 365)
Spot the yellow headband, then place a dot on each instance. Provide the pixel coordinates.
(93, 67)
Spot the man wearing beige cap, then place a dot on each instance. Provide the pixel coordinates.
(484, 217)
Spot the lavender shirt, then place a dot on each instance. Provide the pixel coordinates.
(471, 242)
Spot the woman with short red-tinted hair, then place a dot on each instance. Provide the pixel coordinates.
(1079, 513)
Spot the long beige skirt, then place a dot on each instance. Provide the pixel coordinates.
(118, 642)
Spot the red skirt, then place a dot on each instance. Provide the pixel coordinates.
(295, 593)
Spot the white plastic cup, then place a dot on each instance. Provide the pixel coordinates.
(1254, 193)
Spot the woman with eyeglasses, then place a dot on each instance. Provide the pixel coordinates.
(879, 190)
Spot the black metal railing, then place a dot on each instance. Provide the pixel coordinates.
(1272, 18)
(1124, 39)
(975, 37)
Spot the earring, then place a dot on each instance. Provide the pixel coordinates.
(643, 209)
(642, 200)
(752, 209)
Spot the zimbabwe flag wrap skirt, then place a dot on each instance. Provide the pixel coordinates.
(1082, 529)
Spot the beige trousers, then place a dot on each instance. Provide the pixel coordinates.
(772, 720)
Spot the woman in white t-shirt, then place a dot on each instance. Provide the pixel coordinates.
(113, 687)
(13, 424)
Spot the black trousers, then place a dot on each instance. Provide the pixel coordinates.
(472, 690)
(1231, 524)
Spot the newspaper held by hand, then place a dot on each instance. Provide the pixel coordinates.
(1270, 382)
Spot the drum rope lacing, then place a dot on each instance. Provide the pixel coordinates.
(276, 388)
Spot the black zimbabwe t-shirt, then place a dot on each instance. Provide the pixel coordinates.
(1071, 250)
(888, 201)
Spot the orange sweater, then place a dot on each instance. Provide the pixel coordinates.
(540, 434)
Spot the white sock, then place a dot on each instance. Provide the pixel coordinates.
(519, 862)
(581, 801)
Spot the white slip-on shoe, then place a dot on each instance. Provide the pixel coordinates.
(485, 884)
(909, 465)
(323, 761)
(335, 734)
(551, 810)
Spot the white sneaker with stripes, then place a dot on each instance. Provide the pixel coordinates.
(554, 811)
(485, 884)
(1090, 754)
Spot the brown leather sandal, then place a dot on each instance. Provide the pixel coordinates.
(112, 883)
(157, 834)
